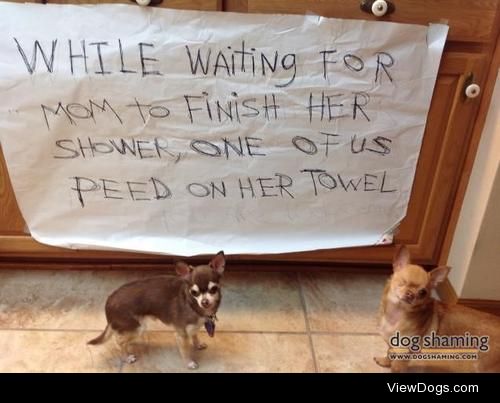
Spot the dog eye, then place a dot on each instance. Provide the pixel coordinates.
(194, 293)
(422, 293)
(213, 289)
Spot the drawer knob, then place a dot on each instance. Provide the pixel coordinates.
(472, 90)
(379, 8)
(143, 2)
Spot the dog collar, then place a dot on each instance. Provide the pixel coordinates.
(210, 324)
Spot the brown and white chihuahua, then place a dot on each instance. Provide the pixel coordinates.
(408, 308)
(187, 302)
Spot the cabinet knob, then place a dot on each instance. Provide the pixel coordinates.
(379, 8)
(472, 90)
(143, 2)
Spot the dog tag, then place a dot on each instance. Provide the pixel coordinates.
(210, 326)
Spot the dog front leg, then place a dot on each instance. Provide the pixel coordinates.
(394, 365)
(186, 348)
(192, 332)
(197, 344)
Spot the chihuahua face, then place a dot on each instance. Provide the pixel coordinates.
(204, 283)
(411, 285)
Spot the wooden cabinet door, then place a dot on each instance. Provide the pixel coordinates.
(11, 221)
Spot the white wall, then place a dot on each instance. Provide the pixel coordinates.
(483, 277)
(475, 251)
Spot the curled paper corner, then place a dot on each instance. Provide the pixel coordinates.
(385, 239)
(388, 237)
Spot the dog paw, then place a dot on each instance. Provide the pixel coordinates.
(382, 361)
(202, 346)
(192, 365)
(399, 366)
(131, 359)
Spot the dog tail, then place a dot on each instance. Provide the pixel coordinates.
(104, 336)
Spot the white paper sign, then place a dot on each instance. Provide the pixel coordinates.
(184, 132)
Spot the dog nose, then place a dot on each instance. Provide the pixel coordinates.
(205, 303)
(409, 296)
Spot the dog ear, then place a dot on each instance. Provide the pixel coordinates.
(218, 262)
(401, 258)
(438, 275)
(183, 269)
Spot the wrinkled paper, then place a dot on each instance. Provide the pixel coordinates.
(184, 132)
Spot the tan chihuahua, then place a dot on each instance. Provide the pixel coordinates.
(408, 310)
(188, 302)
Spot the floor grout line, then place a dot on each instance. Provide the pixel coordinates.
(150, 331)
(305, 332)
(333, 333)
(306, 319)
(289, 332)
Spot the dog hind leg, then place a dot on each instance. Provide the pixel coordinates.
(127, 329)
(124, 341)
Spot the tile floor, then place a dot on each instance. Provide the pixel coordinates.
(268, 322)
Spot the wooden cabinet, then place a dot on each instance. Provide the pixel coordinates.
(451, 136)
